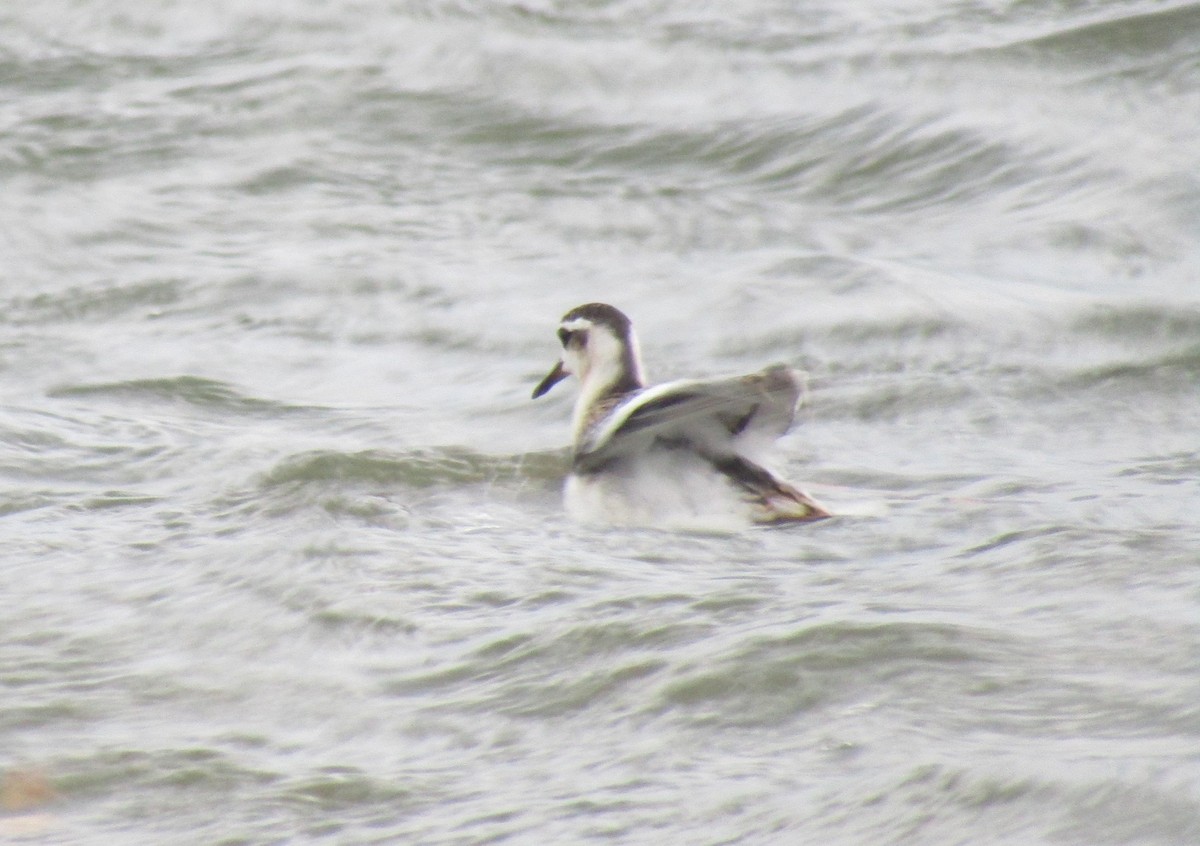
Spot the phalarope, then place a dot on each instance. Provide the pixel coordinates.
(680, 453)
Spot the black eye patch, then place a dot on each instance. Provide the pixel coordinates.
(572, 337)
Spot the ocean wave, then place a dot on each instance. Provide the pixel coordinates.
(192, 390)
(766, 680)
(423, 468)
(95, 303)
(1112, 35)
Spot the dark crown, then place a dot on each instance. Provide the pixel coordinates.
(602, 314)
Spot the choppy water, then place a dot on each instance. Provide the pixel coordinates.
(283, 556)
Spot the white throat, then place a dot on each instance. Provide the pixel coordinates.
(605, 364)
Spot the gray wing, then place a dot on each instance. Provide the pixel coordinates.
(716, 417)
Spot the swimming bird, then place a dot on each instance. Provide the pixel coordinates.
(678, 454)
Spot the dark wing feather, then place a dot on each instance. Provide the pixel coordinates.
(709, 415)
(774, 500)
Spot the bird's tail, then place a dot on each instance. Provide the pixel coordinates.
(773, 500)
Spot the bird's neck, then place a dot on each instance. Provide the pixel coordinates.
(601, 389)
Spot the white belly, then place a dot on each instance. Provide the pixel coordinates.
(664, 488)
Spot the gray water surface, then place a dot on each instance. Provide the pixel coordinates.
(284, 558)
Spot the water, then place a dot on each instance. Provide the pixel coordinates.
(284, 556)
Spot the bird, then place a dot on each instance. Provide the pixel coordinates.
(681, 454)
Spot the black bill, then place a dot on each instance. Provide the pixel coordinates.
(552, 378)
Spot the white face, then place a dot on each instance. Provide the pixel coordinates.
(591, 353)
(601, 357)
